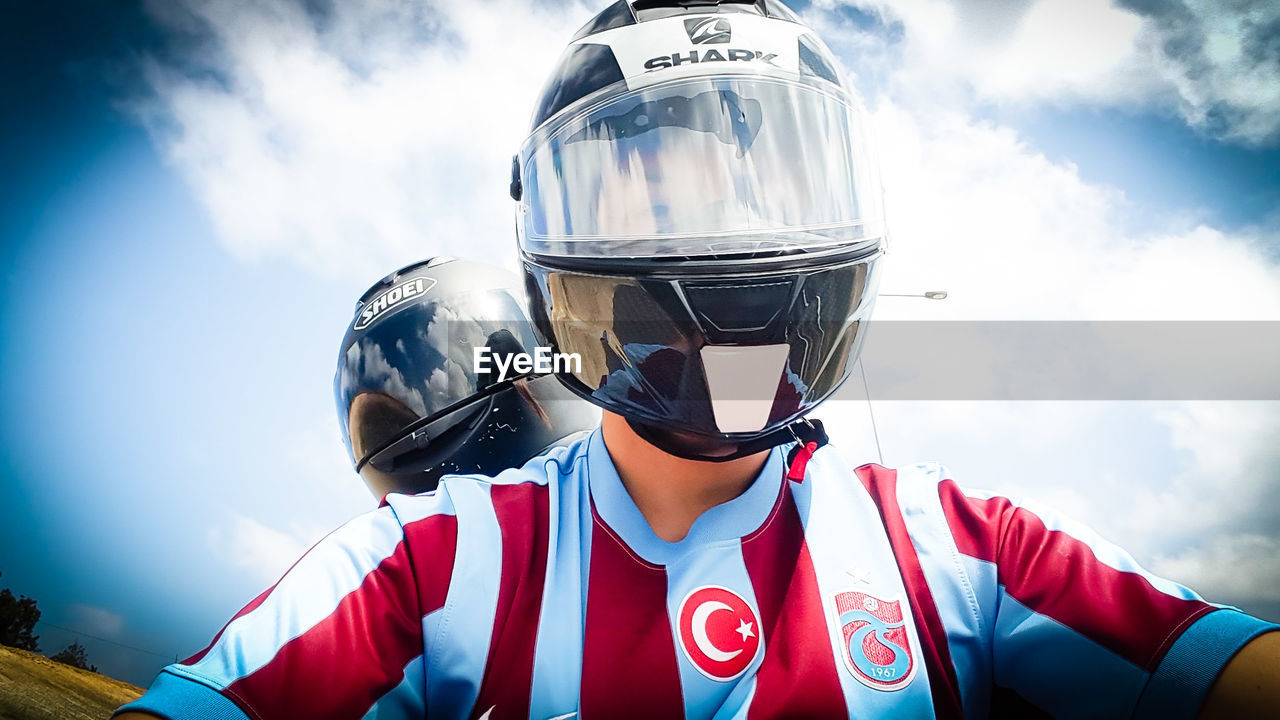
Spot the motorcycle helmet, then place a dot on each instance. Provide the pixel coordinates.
(699, 218)
(413, 402)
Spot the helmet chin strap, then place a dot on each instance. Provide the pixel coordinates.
(802, 432)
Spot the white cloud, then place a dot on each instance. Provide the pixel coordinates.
(319, 483)
(1013, 235)
(1213, 63)
(1222, 59)
(377, 371)
(1229, 483)
(1047, 55)
(265, 553)
(1240, 568)
(1011, 53)
(360, 139)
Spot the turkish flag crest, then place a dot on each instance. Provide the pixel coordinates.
(719, 631)
(877, 649)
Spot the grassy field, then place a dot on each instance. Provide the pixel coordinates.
(33, 687)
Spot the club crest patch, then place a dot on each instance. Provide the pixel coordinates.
(719, 631)
(877, 648)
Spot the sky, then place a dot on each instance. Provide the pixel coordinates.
(195, 194)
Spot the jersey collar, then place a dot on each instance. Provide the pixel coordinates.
(727, 522)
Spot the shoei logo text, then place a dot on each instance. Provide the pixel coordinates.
(713, 55)
(392, 299)
(542, 361)
(708, 31)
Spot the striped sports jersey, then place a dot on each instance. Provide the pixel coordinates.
(543, 593)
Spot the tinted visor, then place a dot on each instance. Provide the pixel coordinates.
(701, 166)
(417, 364)
(642, 341)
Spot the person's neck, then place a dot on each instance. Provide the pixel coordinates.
(672, 492)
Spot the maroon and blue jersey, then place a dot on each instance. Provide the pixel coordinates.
(835, 592)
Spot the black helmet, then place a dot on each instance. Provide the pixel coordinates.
(411, 405)
(700, 219)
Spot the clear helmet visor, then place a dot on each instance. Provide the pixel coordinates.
(701, 166)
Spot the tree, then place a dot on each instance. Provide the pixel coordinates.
(18, 618)
(75, 656)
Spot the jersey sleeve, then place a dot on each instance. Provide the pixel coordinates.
(1076, 627)
(339, 635)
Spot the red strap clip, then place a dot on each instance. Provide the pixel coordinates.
(801, 461)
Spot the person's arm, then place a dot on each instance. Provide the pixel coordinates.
(1078, 629)
(1249, 686)
(339, 635)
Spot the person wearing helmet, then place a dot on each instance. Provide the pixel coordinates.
(699, 217)
(712, 213)
(412, 406)
(699, 222)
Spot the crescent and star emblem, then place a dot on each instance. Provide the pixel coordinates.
(719, 631)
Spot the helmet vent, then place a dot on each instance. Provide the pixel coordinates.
(812, 63)
(738, 307)
(657, 9)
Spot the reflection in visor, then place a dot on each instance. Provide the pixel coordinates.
(706, 165)
(413, 366)
(642, 341)
(731, 119)
(374, 418)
